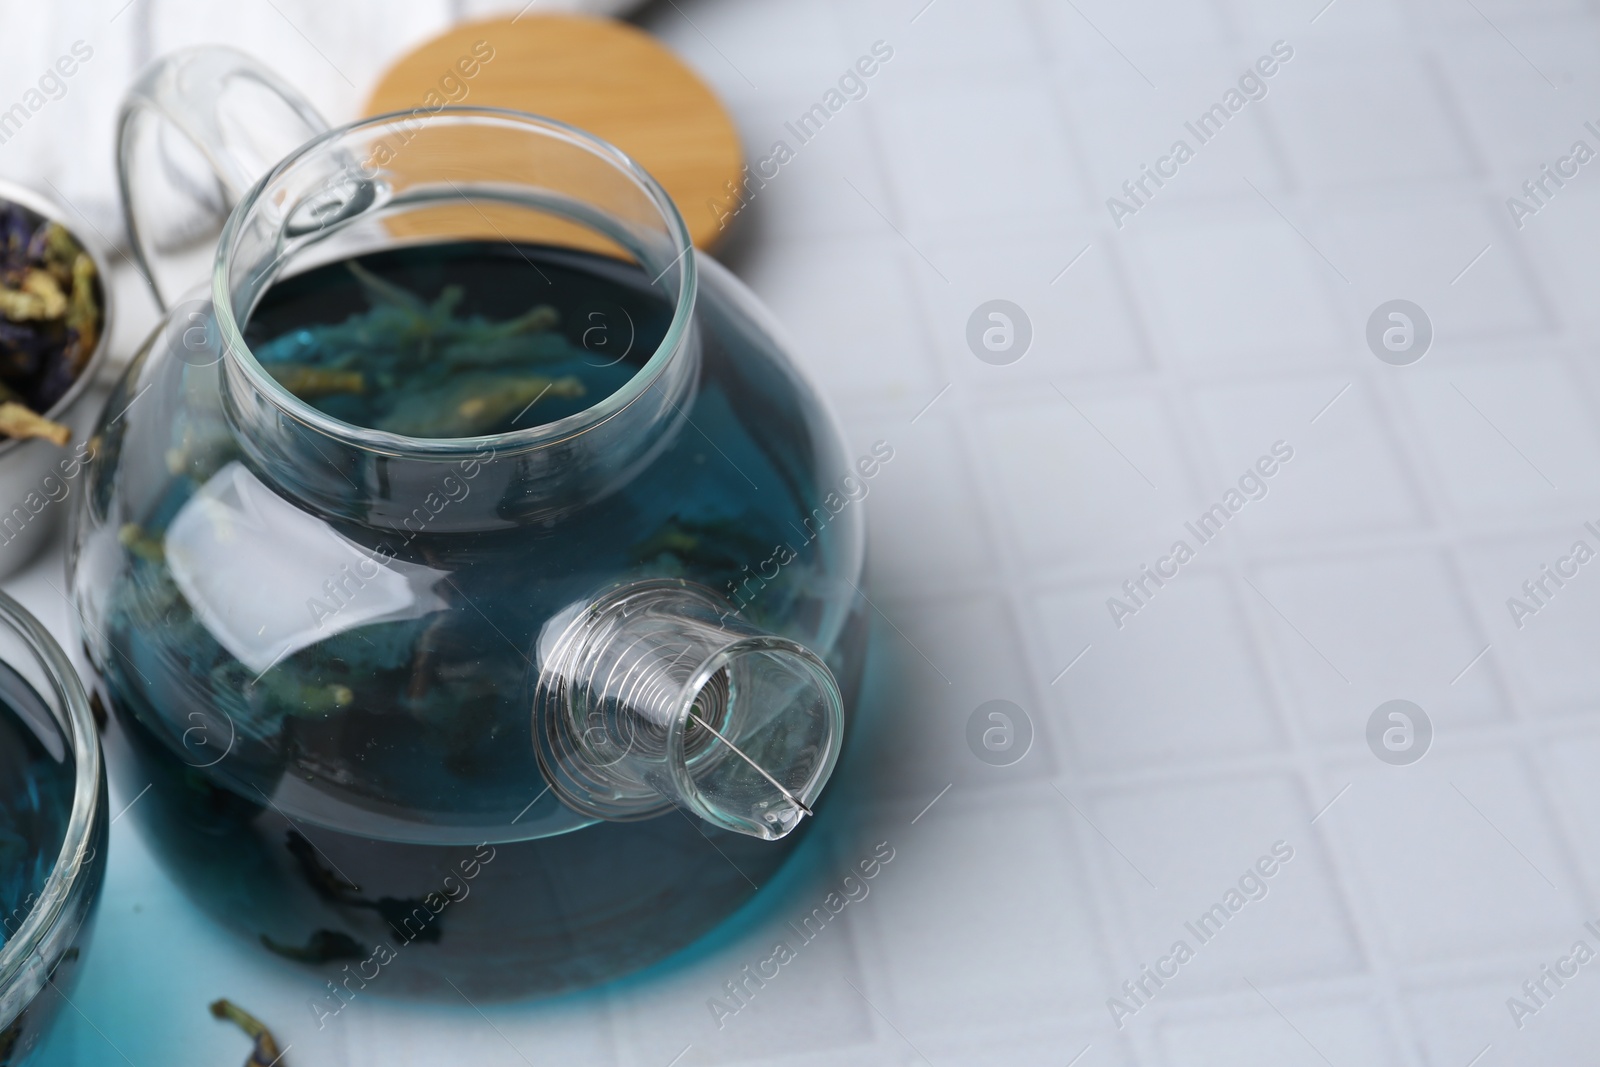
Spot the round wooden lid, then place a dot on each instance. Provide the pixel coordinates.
(603, 76)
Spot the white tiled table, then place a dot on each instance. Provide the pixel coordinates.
(1227, 714)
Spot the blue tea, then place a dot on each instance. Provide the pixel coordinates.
(38, 781)
(37, 778)
(458, 340)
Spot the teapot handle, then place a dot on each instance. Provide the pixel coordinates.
(195, 132)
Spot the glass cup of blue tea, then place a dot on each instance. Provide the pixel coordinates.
(466, 562)
(52, 830)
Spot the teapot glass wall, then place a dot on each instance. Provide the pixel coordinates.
(383, 642)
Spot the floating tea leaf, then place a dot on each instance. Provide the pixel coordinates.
(422, 368)
(309, 383)
(475, 404)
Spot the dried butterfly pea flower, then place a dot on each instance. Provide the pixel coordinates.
(266, 1052)
(38, 297)
(133, 537)
(323, 946)
(474, 404)
(50, 320)
(16, 231)
(54, 246)
(83, 313)
(310, 382)
(19, 421)
(22, 339)
(424, 371)
(56, 378)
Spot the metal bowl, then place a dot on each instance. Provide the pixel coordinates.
(36, 476)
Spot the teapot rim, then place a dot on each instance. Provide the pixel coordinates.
(241, 360)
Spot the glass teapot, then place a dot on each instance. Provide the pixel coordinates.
(464, 562)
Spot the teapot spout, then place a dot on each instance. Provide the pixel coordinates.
(656, 695)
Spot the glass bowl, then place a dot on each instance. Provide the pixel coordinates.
(47, 738)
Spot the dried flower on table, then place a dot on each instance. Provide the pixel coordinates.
(266, 1052)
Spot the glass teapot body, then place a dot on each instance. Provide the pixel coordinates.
(524, 709)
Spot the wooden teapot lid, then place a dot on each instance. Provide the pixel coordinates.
(603, 76)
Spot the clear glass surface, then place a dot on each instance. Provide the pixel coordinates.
(53, 827)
